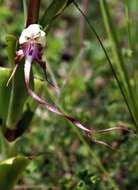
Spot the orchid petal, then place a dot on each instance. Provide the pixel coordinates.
(44, 103)
(54, 109)
(102, 143)
(112, 129)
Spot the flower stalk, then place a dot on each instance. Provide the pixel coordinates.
(33, 12)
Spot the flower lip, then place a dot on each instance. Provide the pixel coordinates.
(34, 33)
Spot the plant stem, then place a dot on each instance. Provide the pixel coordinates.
(25, 11)
(33, 12)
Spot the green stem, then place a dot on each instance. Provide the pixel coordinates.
(25, 11)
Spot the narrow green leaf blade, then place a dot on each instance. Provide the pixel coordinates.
(4, 93)
(17, 99)
(119, 63)
(18, 89)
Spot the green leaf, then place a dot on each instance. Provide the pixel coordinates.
(18, 90)
(10, 171)
(22, 120)
(11, 49)
(17, 99)
(4, 93)
(23, 124)
(53, 11)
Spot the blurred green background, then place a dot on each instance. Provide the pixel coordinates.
(87, 90)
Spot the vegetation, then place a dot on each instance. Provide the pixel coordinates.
(92, 74)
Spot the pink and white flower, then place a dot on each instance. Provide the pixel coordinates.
(32, 43)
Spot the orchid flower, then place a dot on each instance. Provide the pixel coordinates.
(32, 43)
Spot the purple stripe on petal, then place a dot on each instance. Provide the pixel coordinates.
(44, 103)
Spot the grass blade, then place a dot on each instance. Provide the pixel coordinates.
(110, 63)
(119, 63)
